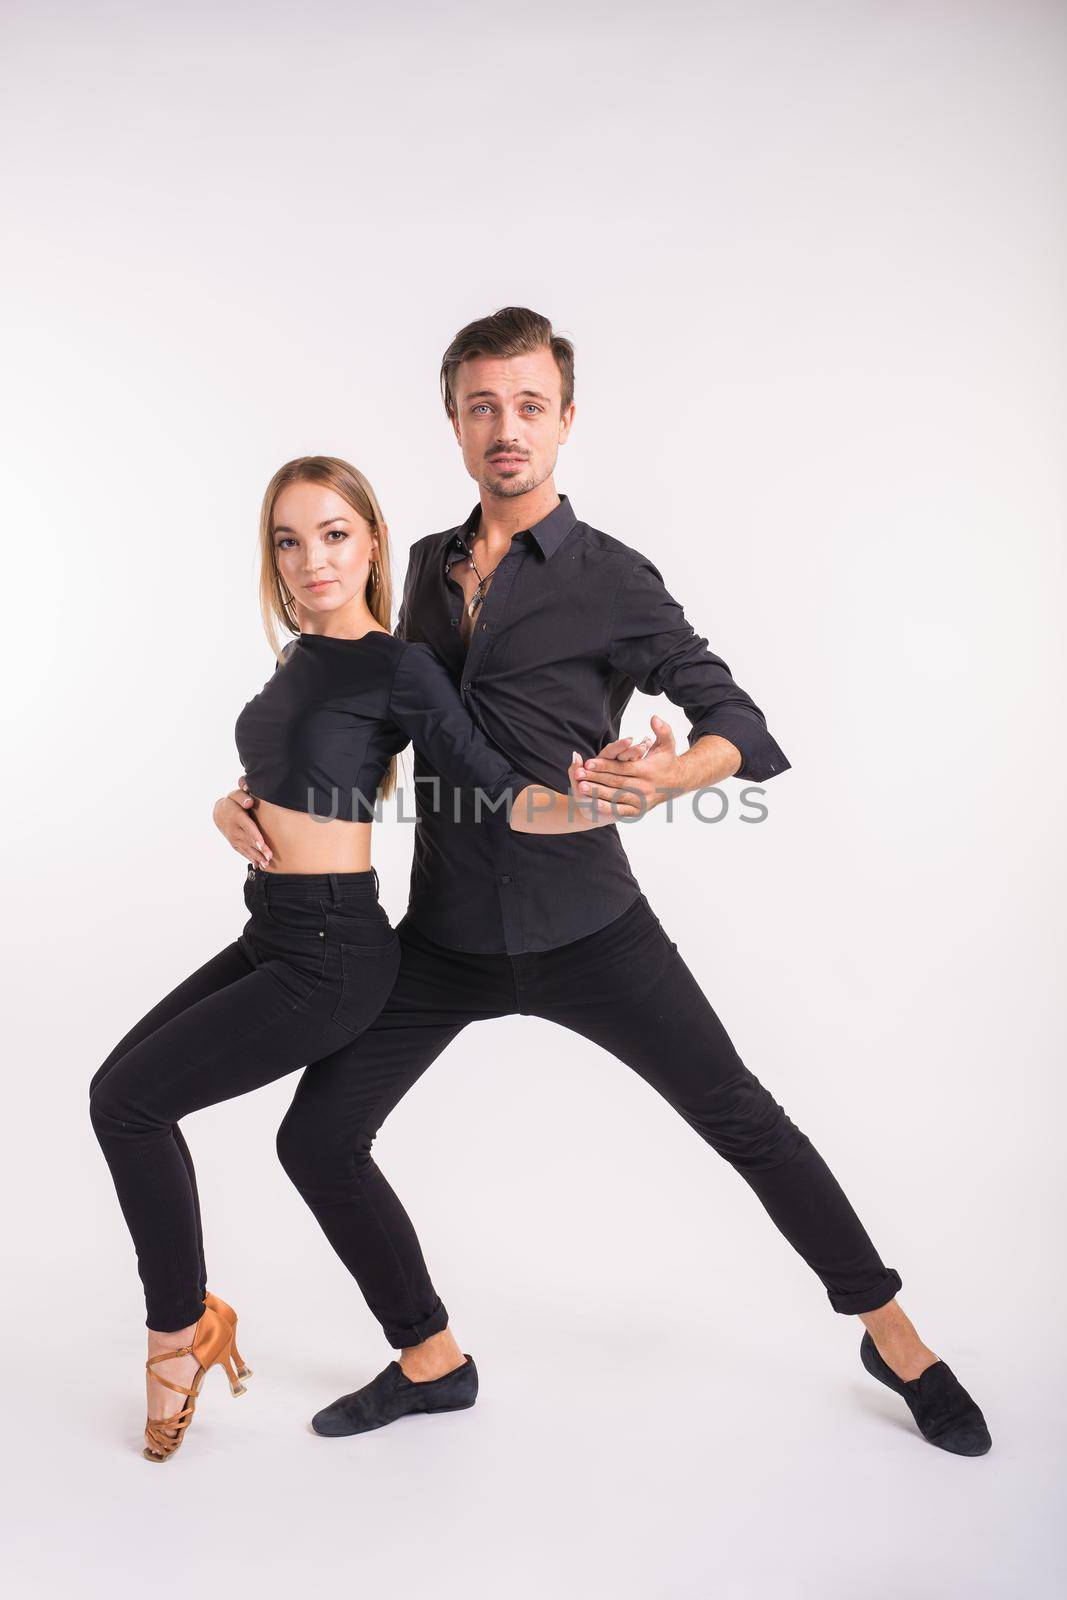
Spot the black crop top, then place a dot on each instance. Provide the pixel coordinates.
(321, 732)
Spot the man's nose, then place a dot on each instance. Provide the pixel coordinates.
(507, 431)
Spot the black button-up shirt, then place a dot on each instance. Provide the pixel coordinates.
(572, 622)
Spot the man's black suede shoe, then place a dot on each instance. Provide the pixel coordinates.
(391, 1395)
(944, 1411)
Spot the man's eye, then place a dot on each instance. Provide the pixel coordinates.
(482, 407)
(531, 407)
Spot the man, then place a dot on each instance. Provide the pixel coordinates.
(548, 626)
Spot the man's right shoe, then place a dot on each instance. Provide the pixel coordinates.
(391, 1395)
(944, 1412)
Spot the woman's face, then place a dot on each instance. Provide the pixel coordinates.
(323, 548)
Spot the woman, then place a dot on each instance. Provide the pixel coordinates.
(317, 958)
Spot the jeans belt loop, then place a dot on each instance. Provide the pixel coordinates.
(335, 893)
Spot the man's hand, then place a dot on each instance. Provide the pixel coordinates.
(638, 776)
(231, 817)
(655, 776)
(600, 812)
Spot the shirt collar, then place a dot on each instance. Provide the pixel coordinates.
(548, 534)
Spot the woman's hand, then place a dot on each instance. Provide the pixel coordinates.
(610, 805)
(642, 777)
(232, 817)
(537, 809)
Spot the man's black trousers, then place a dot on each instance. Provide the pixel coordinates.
(625, 987)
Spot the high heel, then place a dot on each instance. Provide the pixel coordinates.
(212, 1300)
(212, 1345)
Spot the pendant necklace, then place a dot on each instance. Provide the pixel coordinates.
(479, 594)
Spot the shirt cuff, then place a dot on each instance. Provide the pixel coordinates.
(761, 756)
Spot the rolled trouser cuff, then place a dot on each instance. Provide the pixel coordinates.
(402, 1336)
(878, 1294)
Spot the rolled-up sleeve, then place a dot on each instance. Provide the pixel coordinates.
(652, 643)
(425, 704)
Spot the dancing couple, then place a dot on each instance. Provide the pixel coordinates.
(520, 639)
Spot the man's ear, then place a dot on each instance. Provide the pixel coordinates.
(565, 422)
(455, 426)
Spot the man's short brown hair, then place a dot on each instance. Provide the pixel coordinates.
(511, 331)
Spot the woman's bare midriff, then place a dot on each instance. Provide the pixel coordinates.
(299, 843)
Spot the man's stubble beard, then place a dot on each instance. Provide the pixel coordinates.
(510, 488)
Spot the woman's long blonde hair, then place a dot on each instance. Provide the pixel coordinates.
(275, 602)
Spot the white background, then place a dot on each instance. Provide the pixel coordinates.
(812, 257)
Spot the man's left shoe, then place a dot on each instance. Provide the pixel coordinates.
(391, 1395)
(944, 1411)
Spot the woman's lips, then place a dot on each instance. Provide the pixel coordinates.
(323, 583)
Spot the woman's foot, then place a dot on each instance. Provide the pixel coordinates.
(163, 1402)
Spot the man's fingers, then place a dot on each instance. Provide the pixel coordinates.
(633, 754)
(616, 747)
(638, 751)
(248, 842)
(613, 778)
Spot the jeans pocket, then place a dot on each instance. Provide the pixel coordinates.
(368, 972)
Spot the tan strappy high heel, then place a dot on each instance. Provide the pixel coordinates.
(212, 1300)
(212, 1346)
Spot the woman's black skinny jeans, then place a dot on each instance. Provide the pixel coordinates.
(312, 968)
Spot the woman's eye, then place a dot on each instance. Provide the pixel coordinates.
(342, 533)
(283, 542)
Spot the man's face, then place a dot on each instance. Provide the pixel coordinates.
(508, 420)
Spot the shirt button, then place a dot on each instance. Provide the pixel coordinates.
(505, 877)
